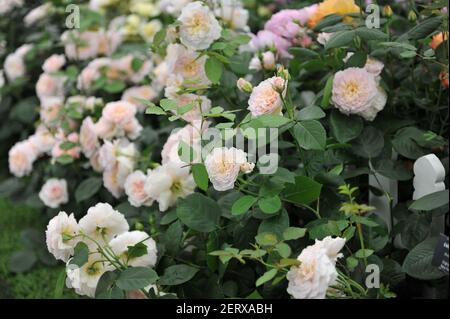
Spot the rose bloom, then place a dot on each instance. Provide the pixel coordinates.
(119, 113)
(265, 99)
(14, 65)
(173, 7)
(135, 189)
(223, 166)
(43, 140)
(190, 135)
(255, 64)
(187, 65)
(50, 86)
(287, 23)
(118, 120)
(60, 236)
(91, 73)
(88, 137)
(54, 63)
(120, 244)
(84, 280)
(119, 150)
(438, 39)
(327, 7)
(86, 45)
(150, 29)
(133, 94)
(50, 110)
(265, 39)
(8, 5)
(169, 182)
(37, 14)
(21, 158)
(232, 13)
(199, 28)
(54, 193)
(114, 178)
(356, 91)
(103, 223)
(317, 270)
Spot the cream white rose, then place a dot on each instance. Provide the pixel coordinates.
(224, 165)
(199, 27)
(61, 236)
(54, 193)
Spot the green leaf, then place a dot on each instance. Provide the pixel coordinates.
(364, 253)
(199, 212)
(22, 261)
(269, 275)
(106, 288)
(364, 221)
(327, 21)
(370, 34)
(64, 159)
(395, 170)
(243, 204)
(200, 176)
(136, 278)
(304, 191)
(177, 275)
(81, 254)
(311, 113)
(424, 29)
(270, 205)
(357, 60)
(168, 104)
(276, 225)
(213, 69)
(431, 201)
(311, 135)
(303, 53)
(266, 239)
(417, 263)
(155, 110)
(138, 250)
(267, 121)
(60, 284)
(351, 262)
(293, 233)
(345, 128)
(115, 86)
(327, 92)
(340, 39)
(88, 188)
(369, 144)
(283, 249)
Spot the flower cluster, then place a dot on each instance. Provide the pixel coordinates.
(105, 233)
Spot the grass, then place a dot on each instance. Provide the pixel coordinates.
(40, 282)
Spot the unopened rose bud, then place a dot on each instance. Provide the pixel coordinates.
(268, 59)
(255, 64)
(138, 226)
(279, 84)
(247, 168)
(244, 86)
(283, 73)
(387, 11)
(263, 11)
(412, 16)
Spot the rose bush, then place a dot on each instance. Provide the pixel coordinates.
(224, 148)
